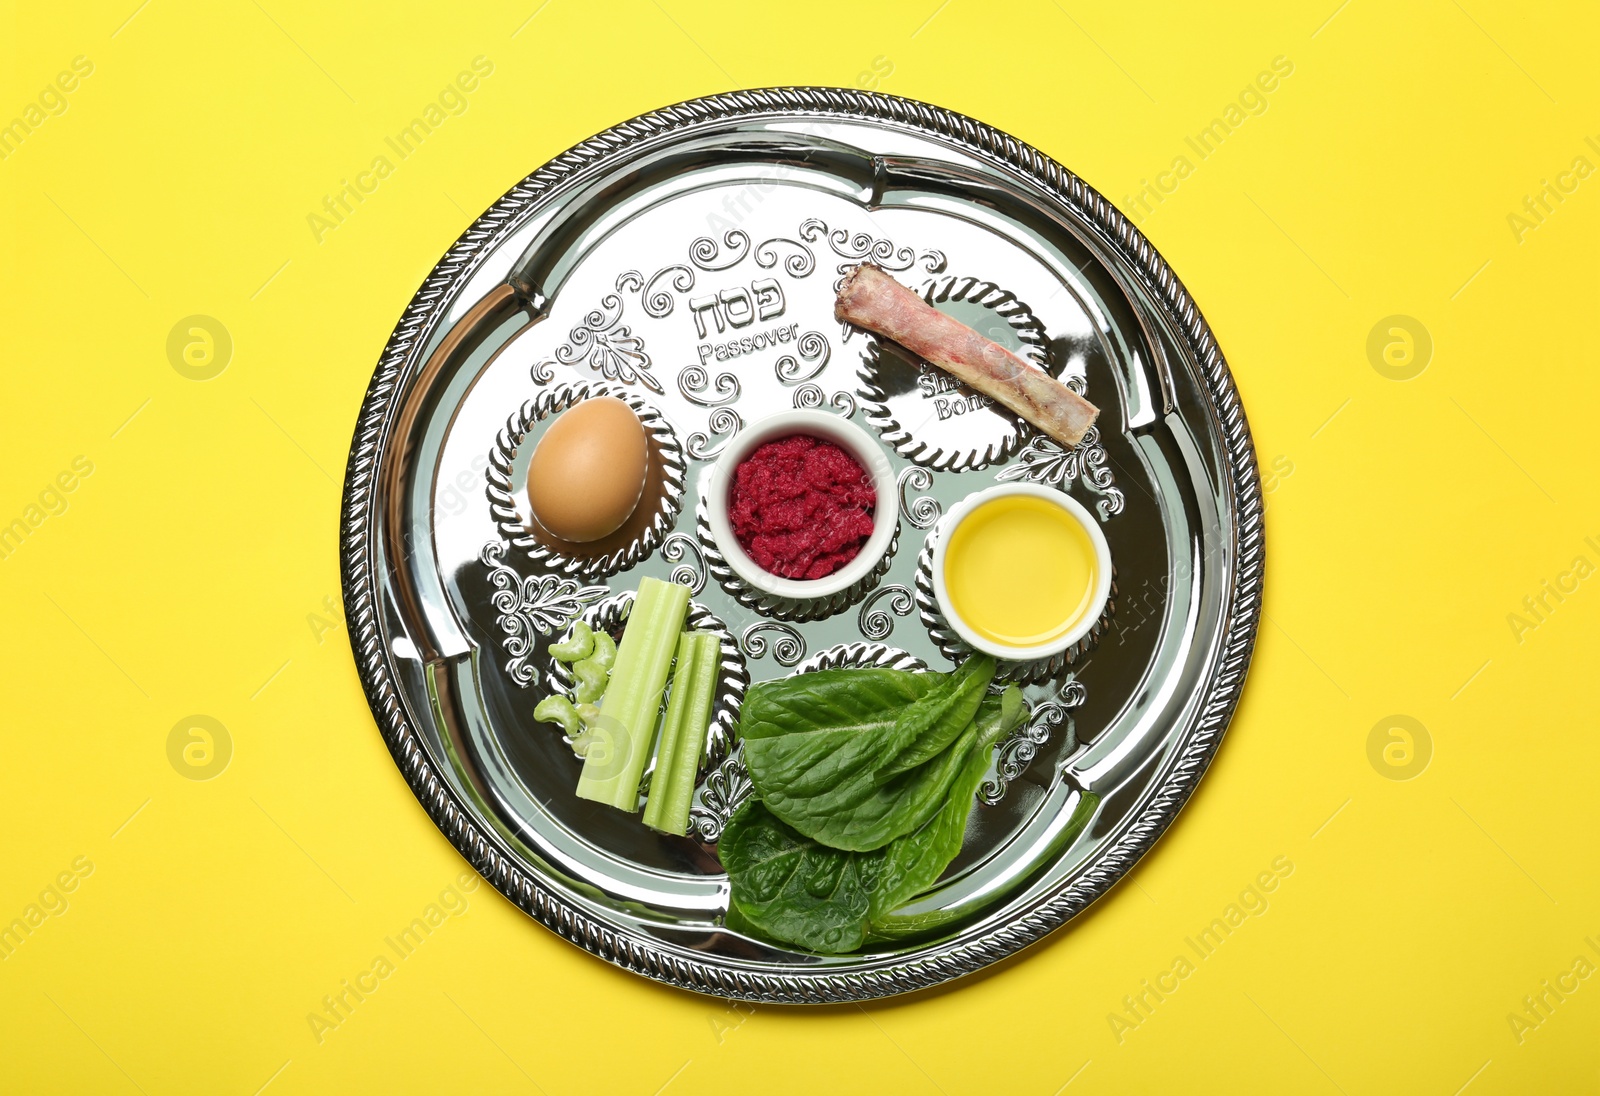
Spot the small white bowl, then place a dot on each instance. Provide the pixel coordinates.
(1097, 604)
(817, 424)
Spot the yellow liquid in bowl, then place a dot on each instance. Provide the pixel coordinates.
(1020, 571)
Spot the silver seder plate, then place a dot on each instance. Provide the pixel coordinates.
(686, 261)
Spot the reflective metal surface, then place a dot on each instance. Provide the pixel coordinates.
(687, 260)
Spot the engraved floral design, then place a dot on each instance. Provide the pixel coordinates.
(535, 604)
(1021, 746)
(606, 344)
(727, 786)
(1044, 461)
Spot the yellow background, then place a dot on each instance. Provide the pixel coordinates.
(190, 571)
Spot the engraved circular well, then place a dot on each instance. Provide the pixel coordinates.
(611, 614)
(645, 528)
(1063, 503)
(955, 648)
(727, 785)
(923, 412)
(835, 430)
(859, 655)
(783, 608)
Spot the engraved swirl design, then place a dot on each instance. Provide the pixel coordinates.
(876, 623)
(707, 254)
(923, 510)
(787, 644)
(693, 575)
(1021, 746)
(656, 293)
(811, 397)
(722, 424)
(694, 383)
(654, 296)
(813, 353)
(799, 262)
(863, 247)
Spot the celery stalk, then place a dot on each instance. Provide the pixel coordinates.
(678, 696)
(692, 739)
(694, 686)
(632, 702)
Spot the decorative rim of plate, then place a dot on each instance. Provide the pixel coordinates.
(682, 966)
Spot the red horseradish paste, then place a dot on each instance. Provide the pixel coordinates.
(801, 507)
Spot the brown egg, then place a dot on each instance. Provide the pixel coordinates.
(588, 470)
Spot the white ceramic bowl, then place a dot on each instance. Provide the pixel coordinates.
(1097, 603)
(818, 424)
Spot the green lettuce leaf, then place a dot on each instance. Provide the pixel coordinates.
(861, 700)
(897, 928)
(913, 862)
(930, 725)
(795, 890)
(855, 758)
(791, 889)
